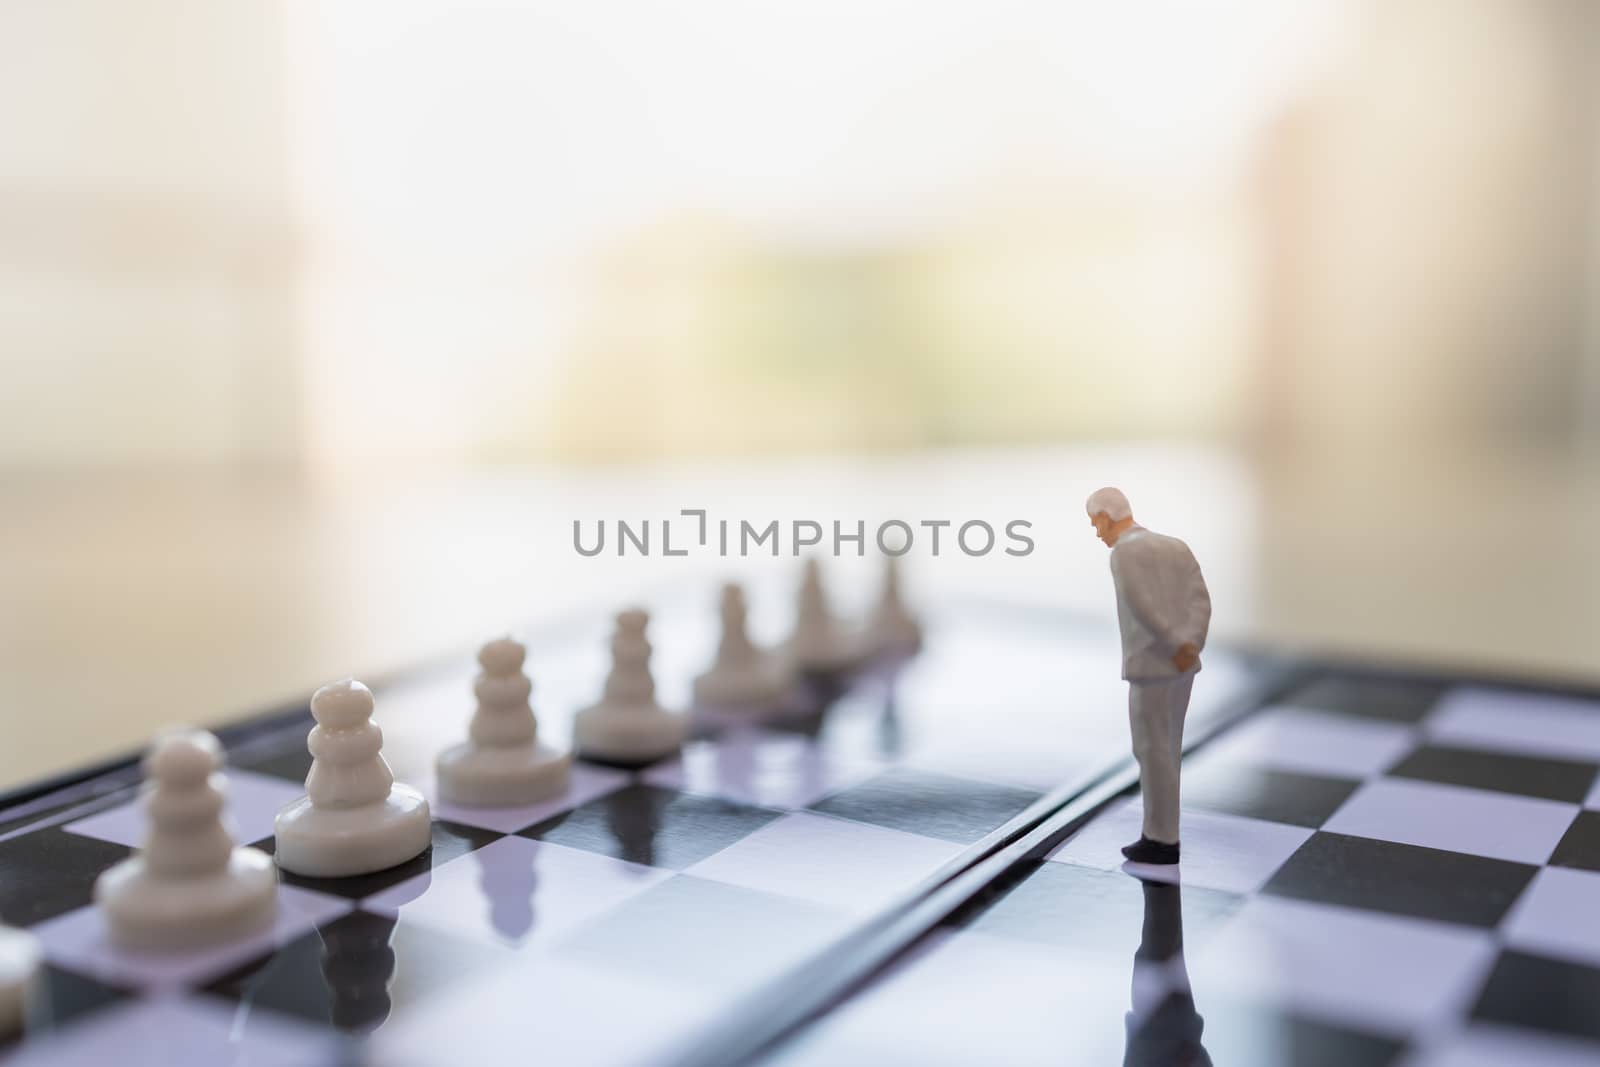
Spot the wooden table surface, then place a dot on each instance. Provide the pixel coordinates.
(134, 603)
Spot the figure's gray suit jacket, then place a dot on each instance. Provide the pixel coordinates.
(1162, 602)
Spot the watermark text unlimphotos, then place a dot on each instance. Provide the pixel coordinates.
(693, 531)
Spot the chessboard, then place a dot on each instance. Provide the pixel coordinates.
(1377, 870)
(918, 865)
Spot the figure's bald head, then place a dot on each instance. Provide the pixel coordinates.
(1109, 513)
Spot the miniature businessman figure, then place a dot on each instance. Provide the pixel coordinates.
(1163, 610)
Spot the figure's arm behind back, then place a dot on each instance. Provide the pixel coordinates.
(1197, 621)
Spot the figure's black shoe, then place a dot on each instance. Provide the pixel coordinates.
(1146, 850)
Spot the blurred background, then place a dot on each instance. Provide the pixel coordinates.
(321, 323)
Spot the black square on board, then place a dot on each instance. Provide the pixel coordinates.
(1542, 994)
(1529, 776)
(929, 804)
(1391, 699)
(352, 972)
(291, 764)
(653, 826)
(1241, 1034)
(60, 997)
(1276, 796)
(81, 808)
(450, 841)
(1580, 846)
(51, 872)
(1062, 904)
(1425, 883)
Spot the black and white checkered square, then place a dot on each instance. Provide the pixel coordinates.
(1422, 864)
(351, 972)
(450, 841)
(1580, 845)
(1399, 879)
(1368, 697)
(60, 997)
(50, 872)
(956, 809)
(1360, 885)
(684, 884)
(654, 826)
(1367, 865)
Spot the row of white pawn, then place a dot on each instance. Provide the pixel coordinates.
(190, 885)
(503, 764)
(628, 726)
(745, 676)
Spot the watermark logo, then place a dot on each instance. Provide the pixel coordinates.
(741, 537)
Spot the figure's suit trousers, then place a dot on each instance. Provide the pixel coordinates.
(1155, 716)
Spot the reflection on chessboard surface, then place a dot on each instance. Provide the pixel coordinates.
(665, 892)
(1374, 873)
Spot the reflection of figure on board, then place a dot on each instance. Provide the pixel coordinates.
(1163, 1026)
(358, 965)
(889, 722)
(634, 819)
(508, 882)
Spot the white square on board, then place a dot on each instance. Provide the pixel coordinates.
(250, 805)
(516, 891)
(1558, 915)
(1455, 818)
(161, 1031)
(587, 783)
(1227, 852)
(1314, 742)
(1376, 972)
(1490, 1045)
(549, 1010)
(763, 768)
(848, 866)
(1056, 1007)
(81, 941)
(1503, 720)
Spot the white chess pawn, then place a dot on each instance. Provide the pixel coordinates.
(819, 643)
(627, 726)
(892, 629)
(190, 886)
(744, 675)
(19, 966)
(502, 764)
(355, 818)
